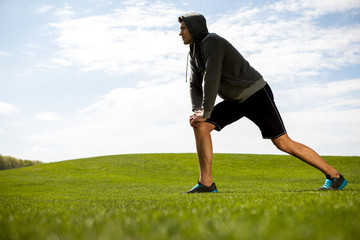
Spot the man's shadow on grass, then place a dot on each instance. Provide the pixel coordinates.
(289, 191)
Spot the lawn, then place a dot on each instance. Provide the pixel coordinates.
(139, 197)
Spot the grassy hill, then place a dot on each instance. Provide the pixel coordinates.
(139, 197)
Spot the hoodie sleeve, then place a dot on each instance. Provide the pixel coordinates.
(213, 53)
(196, 91)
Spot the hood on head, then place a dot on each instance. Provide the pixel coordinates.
(196, 24)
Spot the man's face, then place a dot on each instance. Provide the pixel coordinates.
(185, 34)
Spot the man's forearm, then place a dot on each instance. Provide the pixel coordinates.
(196, 96)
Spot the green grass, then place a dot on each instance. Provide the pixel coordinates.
(139, 197)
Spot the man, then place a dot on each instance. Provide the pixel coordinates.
(217, 68)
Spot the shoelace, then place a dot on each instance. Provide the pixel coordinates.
(327, 183)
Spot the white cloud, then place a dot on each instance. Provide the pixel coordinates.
(37, 153)
(48, 116)
(128, 120)
(5, 54)
(142, 38)
(44, 8)
(138, 38)
(64, 13)
(329, 96)
(288, 47)
(314, 8)
(57, 62)
(7, 108)
(330, 132)
(34, 46)
(100, 3)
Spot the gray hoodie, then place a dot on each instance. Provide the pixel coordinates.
(217, 68)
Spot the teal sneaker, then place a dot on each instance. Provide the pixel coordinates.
(200, 188)
(334, 183)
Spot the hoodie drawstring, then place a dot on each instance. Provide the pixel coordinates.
(187, 65)
(187, 62)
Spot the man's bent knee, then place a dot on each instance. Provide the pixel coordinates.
(283, 143)
(204, 127)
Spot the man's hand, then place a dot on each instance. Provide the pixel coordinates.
(196, 119)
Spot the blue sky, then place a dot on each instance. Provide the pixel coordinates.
(89, 78)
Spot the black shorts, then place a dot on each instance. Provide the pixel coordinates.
(260, 108)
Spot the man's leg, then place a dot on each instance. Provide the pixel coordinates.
(204, 151)
(304, 153)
